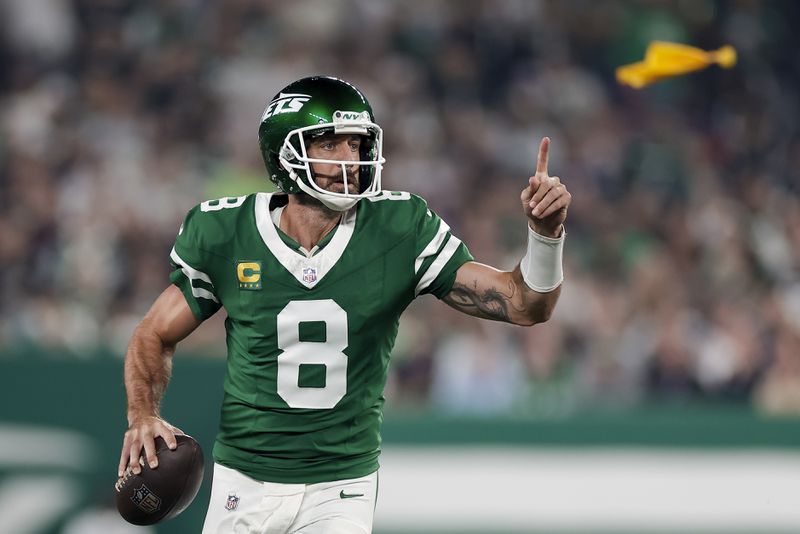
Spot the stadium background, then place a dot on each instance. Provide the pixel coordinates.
(662, 396)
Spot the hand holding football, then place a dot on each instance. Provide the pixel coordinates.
(162, 493)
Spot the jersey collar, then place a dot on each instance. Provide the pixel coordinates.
(308, 271)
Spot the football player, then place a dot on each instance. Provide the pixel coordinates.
(314, 280)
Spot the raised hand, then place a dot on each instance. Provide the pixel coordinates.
(546, 199)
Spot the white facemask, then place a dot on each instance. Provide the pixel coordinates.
(298, 164)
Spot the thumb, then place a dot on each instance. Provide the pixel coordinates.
(533, 184)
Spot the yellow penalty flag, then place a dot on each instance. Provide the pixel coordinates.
(665, 60)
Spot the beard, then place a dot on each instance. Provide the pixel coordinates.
(304, 199)
(335, 182)
(329, 182)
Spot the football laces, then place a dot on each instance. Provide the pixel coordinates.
(123, 479)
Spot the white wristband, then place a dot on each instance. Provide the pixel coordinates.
(541, 266)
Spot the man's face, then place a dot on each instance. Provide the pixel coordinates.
(342, 147)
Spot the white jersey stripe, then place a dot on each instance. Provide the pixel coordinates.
(193, 274)
(433, 246)
(436, 267)
(204, 294)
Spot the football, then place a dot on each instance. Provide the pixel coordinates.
(159, 494)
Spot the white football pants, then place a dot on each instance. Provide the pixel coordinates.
(242, 505)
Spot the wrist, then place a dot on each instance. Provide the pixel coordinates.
(541, 267)
(546, 232)
(139, 415)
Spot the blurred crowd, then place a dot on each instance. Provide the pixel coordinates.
(683, 252)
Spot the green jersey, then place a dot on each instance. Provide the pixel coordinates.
(309, 333)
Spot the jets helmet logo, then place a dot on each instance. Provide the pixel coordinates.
(285, 103)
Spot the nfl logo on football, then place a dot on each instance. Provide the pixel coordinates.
(146, 499)
(309, 275)
(232, 502)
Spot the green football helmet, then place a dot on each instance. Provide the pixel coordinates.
(306, 109)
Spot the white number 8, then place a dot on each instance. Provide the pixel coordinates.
(328, 353)
(222, 203)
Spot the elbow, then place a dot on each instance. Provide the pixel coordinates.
(540, 309)
(537, 317)
(147, 334)
(145, 331)
(526, 321)
(545, 314)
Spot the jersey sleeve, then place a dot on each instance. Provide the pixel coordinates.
(190, 267)
(439, 254)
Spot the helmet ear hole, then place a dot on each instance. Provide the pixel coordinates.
(367, 175)
(279, 162)
(367, 152)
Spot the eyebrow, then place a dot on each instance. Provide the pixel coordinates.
(326, 137)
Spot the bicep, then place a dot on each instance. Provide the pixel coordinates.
(170, 317)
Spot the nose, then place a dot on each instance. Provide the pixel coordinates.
(344, 153)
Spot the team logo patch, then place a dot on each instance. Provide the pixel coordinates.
(232, 503)
(309, 275)
(249, 274)
(146, 499)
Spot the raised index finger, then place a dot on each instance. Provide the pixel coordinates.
(544, 150)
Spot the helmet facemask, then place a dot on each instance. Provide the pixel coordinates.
(294, 158)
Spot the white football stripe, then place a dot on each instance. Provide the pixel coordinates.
(433, 246)
(193, 274)
(438, 264)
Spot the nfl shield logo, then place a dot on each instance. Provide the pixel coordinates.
(146, 499)
(232, 502)
(309, 275)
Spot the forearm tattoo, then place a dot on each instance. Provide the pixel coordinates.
(487, 303)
